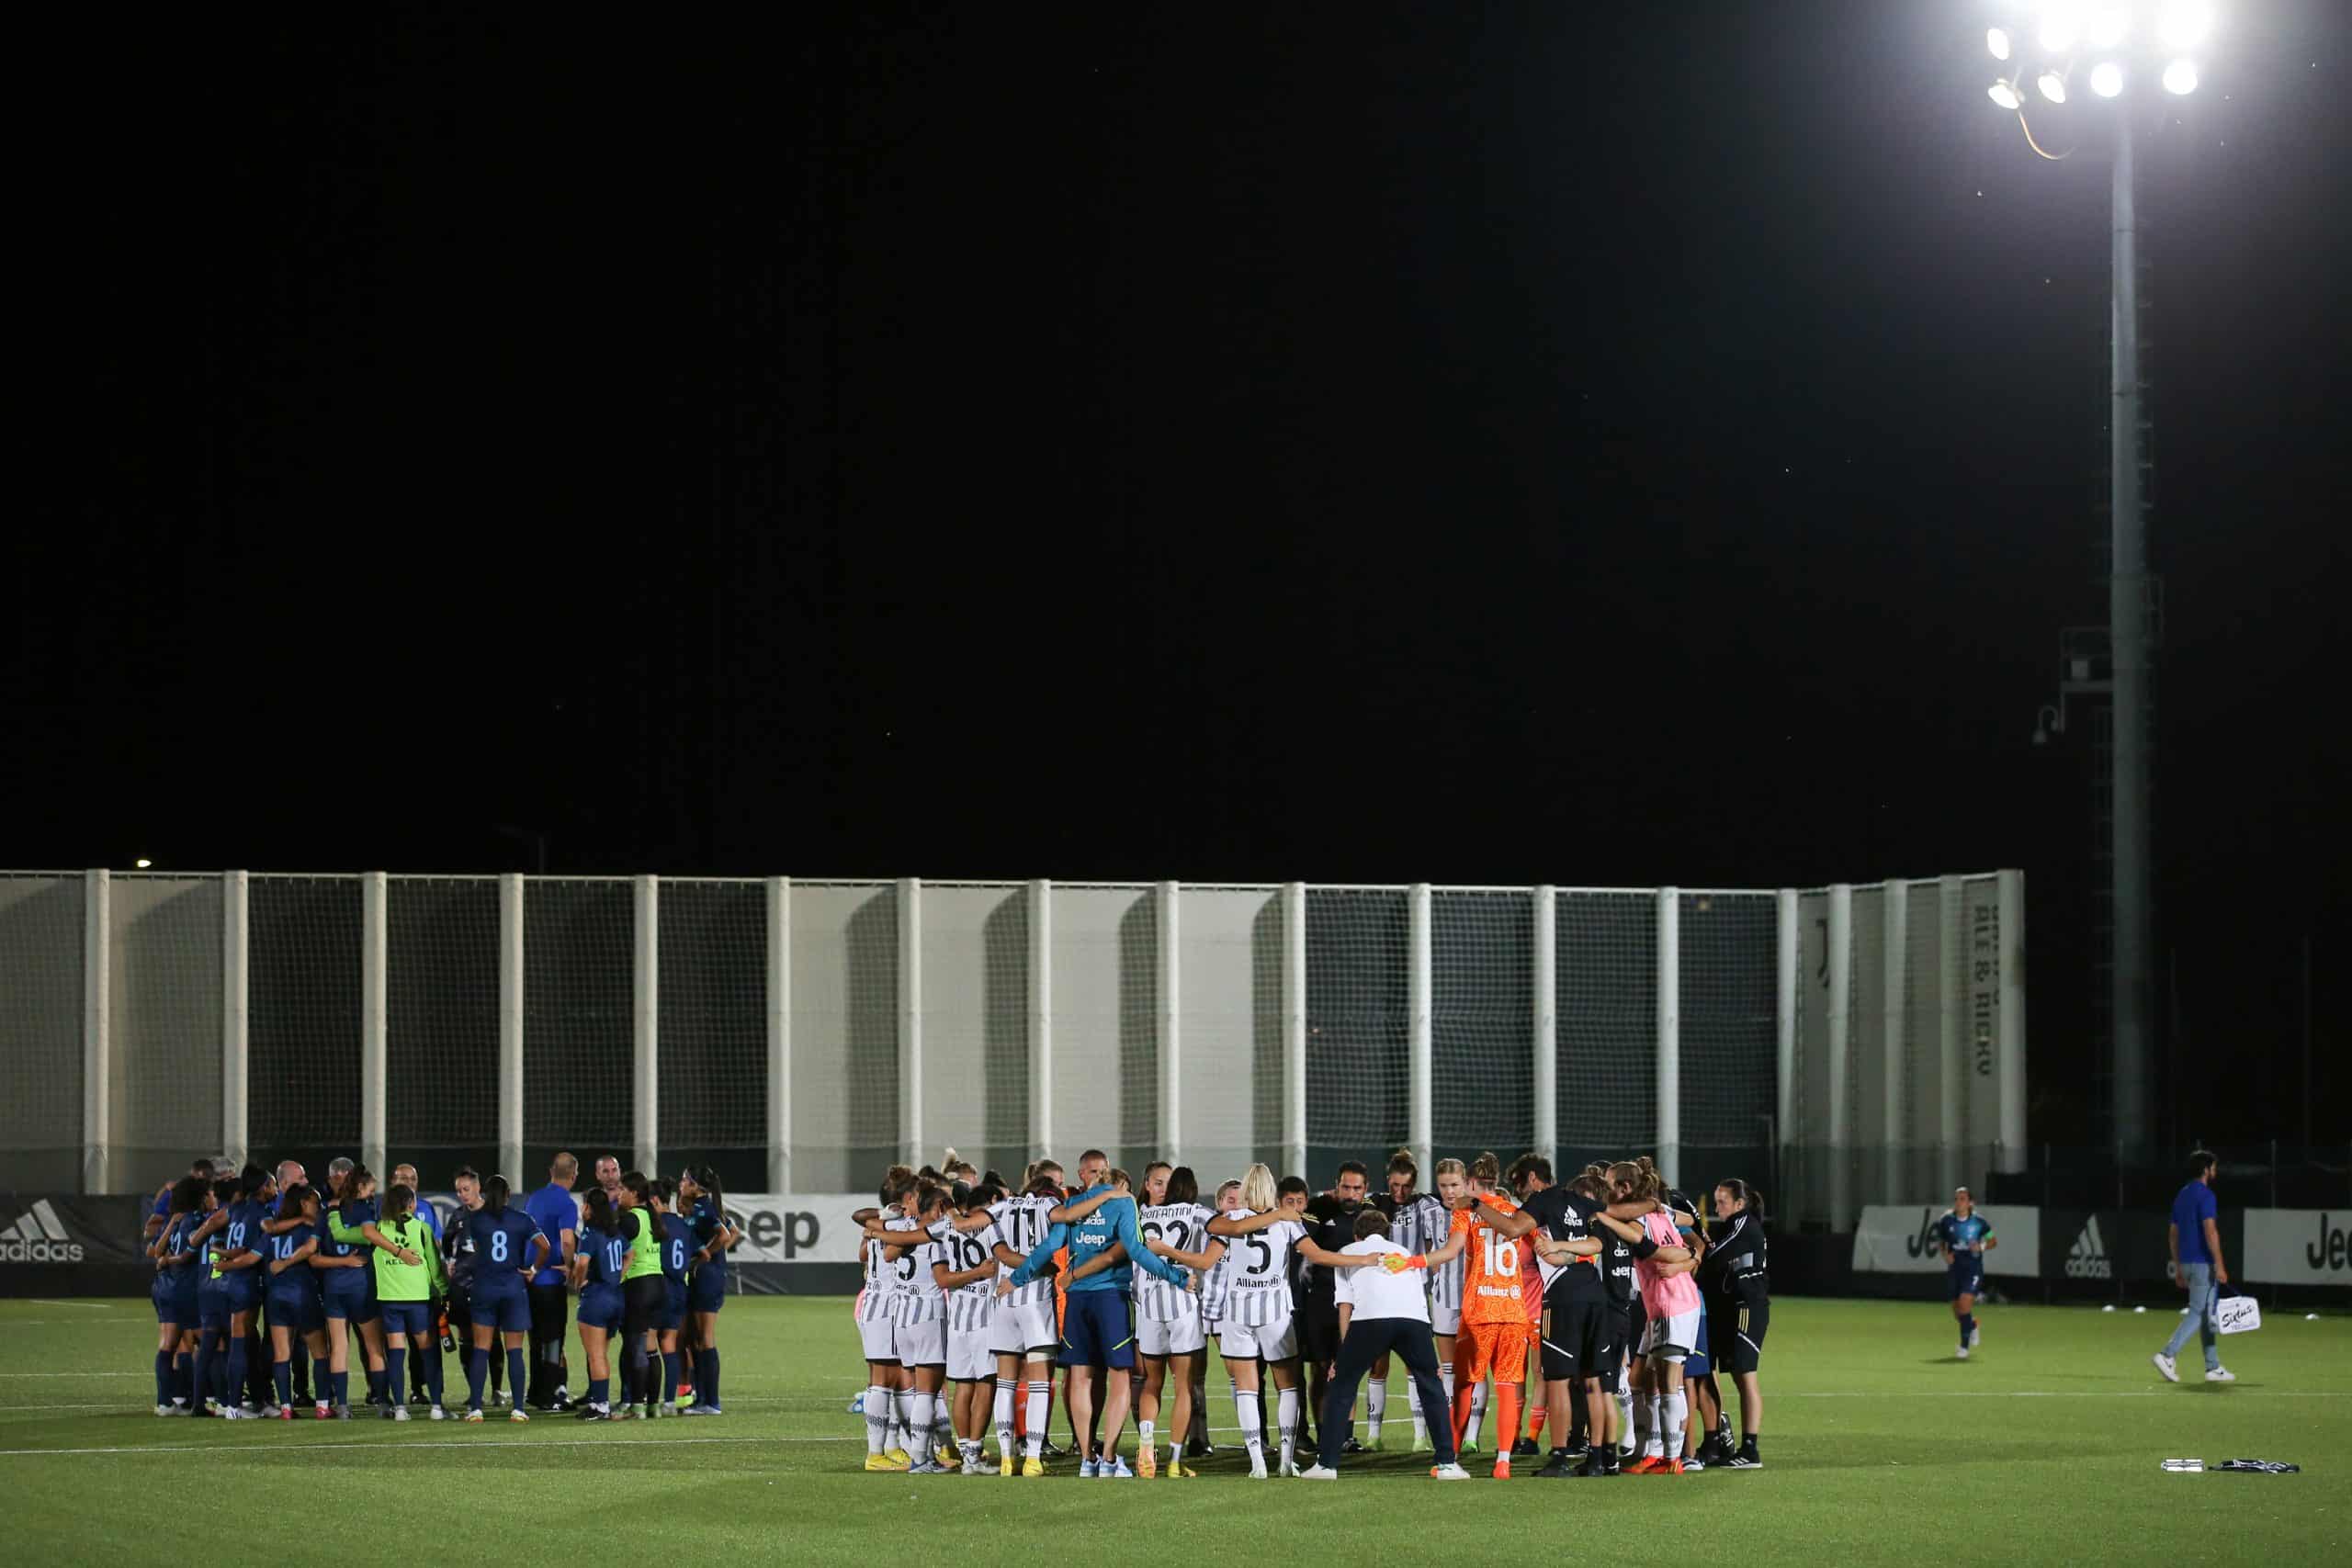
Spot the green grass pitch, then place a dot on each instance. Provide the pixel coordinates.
(2044, 1448)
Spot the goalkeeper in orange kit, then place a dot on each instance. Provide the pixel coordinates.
(1495, 1279)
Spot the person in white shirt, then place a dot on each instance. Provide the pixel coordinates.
(1384, 1309)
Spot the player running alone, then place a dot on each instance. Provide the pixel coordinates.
(1967, 1237)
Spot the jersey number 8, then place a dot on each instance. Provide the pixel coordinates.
(498, 1246)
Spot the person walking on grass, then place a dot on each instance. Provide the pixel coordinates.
(2195, 1237)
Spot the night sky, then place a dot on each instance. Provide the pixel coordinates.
(1592, 444)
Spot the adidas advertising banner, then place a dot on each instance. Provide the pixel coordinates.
(72, 1244)
(2294, 1246)
(2104, 1247)
(1902, 1240)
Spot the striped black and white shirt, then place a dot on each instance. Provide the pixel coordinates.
(919, 1299)
(969, 1307)
(1020, 1224)
(1258, 1291)
(1419, 1224)
(881, 1300)
(1183, 1226)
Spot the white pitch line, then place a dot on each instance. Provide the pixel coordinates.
(2055, 1394)
(211, 1450)
(87, 1306)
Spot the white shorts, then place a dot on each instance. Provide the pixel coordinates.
(880, 1338)
(1672, 1338)
(1019, 1328)
(1176, 1337)
(923, 1343)
(1275, 1341)
(1445, 1319)
(969, 1360)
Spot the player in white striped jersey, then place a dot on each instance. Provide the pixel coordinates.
(1257, 1322)
(1446, 1280)
(1418, 1224)
(918, 1310)
(1023, 1331)
(877, 1328)
(967, 1273)
(1168, 1321)
(1216, 1289)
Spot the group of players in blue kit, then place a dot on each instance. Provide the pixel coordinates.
(263, 1282)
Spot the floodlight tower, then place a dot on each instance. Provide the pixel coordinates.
(2108, 43)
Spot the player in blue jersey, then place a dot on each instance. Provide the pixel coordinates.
(345, 1267)
(1967, 1237)
(178, 1319)
(212, 1300)
(1097, 1338)
(704, 1207)
(235, 1263)
(297, 1313)
(677, 1240)
(598, 1262)
(508, 1248)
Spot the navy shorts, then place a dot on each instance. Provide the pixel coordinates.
(166, 1299)
(1966, 1276)
(184, 1310)
(413, 1319)
(297, 1308)
(600, 1307)
(674, 1306)
(508, 1309)
(241, 1290)
(707, 1289)
(1096, 1331)
(355, 1302)
(1696, 1364)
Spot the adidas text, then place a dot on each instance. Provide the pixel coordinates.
(2087, 1259)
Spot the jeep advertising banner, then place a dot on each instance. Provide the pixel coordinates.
(1900, 1240)
(796, 1243)
(52, 1244)
(2294, 1246)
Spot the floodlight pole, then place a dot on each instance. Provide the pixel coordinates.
(2128, 652)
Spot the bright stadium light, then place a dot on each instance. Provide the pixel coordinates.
(2004, 95)
(2106, 29)
(143, 862)
(2183, 24)
(1998, 42)
(2058, 30)
(2107, 78)
(2180, 78)
(2052, 85)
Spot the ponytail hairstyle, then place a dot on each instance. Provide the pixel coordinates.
(634, 1183)
(1402, 1164)
(707, 1179)
(187, 1194)
(1183, 1187)
(355, 1181)
(1258, 1188)
(400, 1203)
(665, 1193)
(290, 1202)
(1487, 1170)
(949, 1159)
(1751, 1199)
(930, 1198)
(598, 1212)
(494, 1191)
